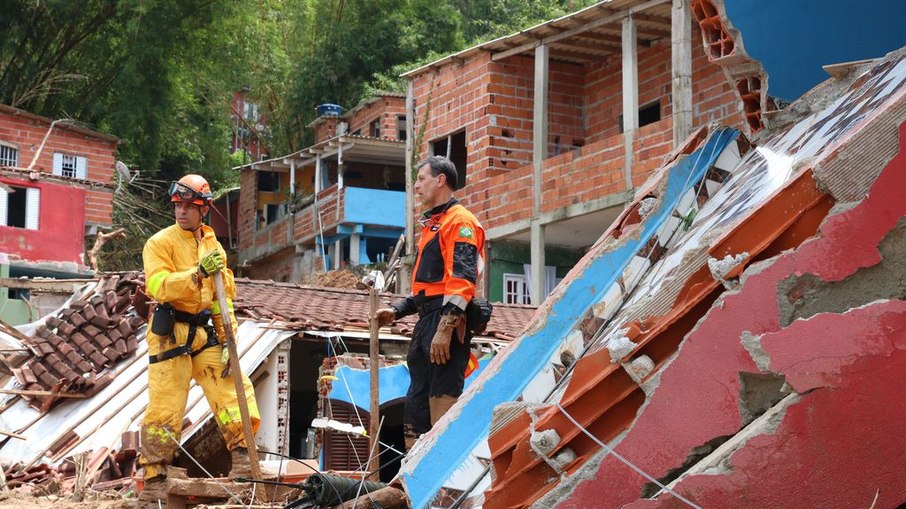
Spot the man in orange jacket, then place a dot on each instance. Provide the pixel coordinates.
(182, 344)
(448, 263)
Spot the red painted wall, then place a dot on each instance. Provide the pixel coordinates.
(60, 233)
(25, 132)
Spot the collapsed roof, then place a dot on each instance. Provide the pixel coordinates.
(679, 329)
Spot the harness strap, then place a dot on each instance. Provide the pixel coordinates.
(194, 321)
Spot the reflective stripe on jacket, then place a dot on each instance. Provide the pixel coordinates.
(450, 254)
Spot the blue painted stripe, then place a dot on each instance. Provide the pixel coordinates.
(354, 385)
(427, 472)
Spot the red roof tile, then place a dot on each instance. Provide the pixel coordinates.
(336, 309)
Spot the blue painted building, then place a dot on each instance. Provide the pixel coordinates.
(338, 203)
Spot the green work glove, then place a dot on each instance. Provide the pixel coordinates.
(211, 262)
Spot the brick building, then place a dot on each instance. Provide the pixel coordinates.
(556, 126)
(249, 127)
(339, 202)
(56, 189)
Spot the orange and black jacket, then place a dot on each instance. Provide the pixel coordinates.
(449, 259)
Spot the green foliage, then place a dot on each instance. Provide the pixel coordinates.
(160, 74)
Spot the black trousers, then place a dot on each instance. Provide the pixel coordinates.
(428, 380)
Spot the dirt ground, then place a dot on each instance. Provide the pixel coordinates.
(99, 501)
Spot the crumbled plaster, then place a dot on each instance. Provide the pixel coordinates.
(752, 344)
(543, 442)
(803, 296)
(717, 462)
(639, 368)
(720, 269)
(647, 206)
(758, 392)
(619, 345)
(568, 484)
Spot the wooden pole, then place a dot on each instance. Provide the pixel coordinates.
(375, 418)
(237, 376)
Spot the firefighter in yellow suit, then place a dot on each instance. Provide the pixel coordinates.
(182, 345)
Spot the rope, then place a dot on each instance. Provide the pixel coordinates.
(626, 461)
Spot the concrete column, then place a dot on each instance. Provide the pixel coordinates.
(537, 249)
(319, 174)
(341, 168)
(630, 94)
(539, 153)
(681, 58)
(405, 269)
(336, 254)
(292, 177)
(354, 246)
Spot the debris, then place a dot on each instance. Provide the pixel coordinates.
(620, 345)
(545, 441)
(646, 206)
(720, 269)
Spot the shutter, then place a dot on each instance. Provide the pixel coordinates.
(57, 163)
(32, 208)
(81, 167)
(343, 451)
(3, 207)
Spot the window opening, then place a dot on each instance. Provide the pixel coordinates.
(453, 146)
(9, 156)
(401, 127)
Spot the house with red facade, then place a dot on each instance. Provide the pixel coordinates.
(56, 190)
(337, 203)
(555, 127)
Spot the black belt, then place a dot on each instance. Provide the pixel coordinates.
(201, 319)
(426, 305)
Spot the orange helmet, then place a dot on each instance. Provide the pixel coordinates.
(191, 189)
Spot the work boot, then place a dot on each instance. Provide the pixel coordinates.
(154, 489)
(439, 406)
(242, 466)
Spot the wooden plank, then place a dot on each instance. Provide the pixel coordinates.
(247, 432)
(630, 94)
(23, 392)
(374, 357)
(47, 285)
(617, 16)
(681, 58)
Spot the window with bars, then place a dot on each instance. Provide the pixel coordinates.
(515, 291)
(67, 165)
(9, 155)
(20, 208)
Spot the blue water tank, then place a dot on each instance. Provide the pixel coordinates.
(329, 110)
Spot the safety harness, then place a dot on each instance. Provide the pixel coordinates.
(200, 320)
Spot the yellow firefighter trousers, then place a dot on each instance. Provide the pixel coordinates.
(168, 390)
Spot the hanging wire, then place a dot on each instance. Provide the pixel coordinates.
(374, 445)
(626, 461)
(600, 330)
(203, 469)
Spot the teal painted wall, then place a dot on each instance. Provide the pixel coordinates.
(508, 257)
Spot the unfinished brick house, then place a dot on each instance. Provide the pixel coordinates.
(555, 126)
(56, 188)
(339, 202)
